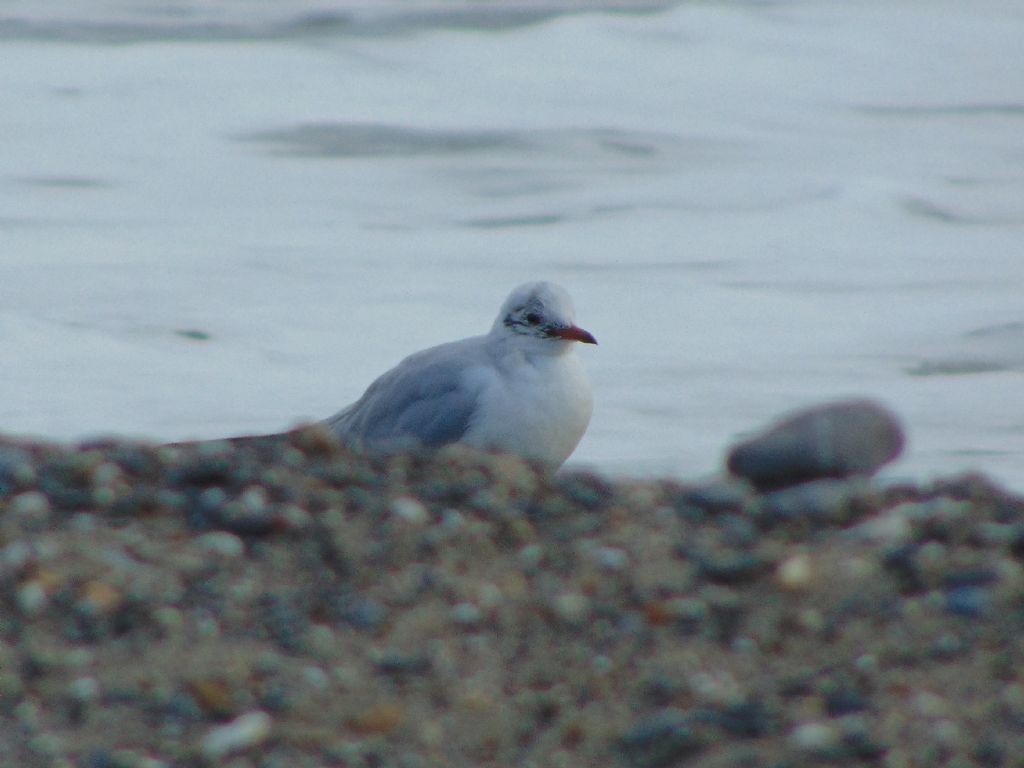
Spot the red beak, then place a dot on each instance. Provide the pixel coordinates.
(575, 333)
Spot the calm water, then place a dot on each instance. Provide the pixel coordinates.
(227, 217)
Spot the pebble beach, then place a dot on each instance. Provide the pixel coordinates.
(285, 602)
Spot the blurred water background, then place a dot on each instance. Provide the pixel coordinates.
(227, 217)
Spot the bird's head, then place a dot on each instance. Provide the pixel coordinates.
(541, 311)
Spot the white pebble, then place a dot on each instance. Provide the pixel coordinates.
(222, 543)
(409, 509)
(795, 572)
(572, 607)
(813, 737)
(891, 527)
(296, 517)
(254, 498)
(242, 733)
(31, 504)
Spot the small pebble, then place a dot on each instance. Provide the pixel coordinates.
(100, 598)
(46, 744)
(665, 738)
(364, 613)
(31, 505)
(946, 732)
(378, 719)
(254, 498)
(316, 677)
(531, 556)
(27, 714)
(572, 607)
(106, 473)
(811, 620)
(169, 618)
(466, 614)
(716, 495)
(84, 689)
(489, 596)
(928, 704)
(867, 664)
(452, 520)
(222, 543)
(15, 556)
(970, 602)
(103, 496)
(409, 509)
(83, 522)
(244, 732)
(814, 737)
(31, 597)
(207, 626)
(295, 517)
(794, 573)
(212, 498)
(611, 558)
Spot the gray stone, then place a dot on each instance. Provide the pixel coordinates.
(662, 739)
(840, 439)
(242, 733)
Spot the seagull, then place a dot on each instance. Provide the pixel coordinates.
(519, 388)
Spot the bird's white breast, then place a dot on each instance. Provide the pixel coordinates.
(538, 407)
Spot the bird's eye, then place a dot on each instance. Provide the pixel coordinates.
(532, 318)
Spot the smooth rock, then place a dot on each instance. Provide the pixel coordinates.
(571, 607)
(31, 505)
(467, 614)
(852, 437)
(31, 597)
(814, 737)
(222, 544)
(794, 574)
(409, 509)
(244, 732)
(660, 740)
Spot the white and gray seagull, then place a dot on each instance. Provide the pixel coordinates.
(519, 388)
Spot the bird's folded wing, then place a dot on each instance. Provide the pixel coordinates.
(427, 399)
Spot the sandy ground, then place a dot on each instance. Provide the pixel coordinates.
(286, 603)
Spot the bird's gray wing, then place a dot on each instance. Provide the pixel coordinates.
(427, 399)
